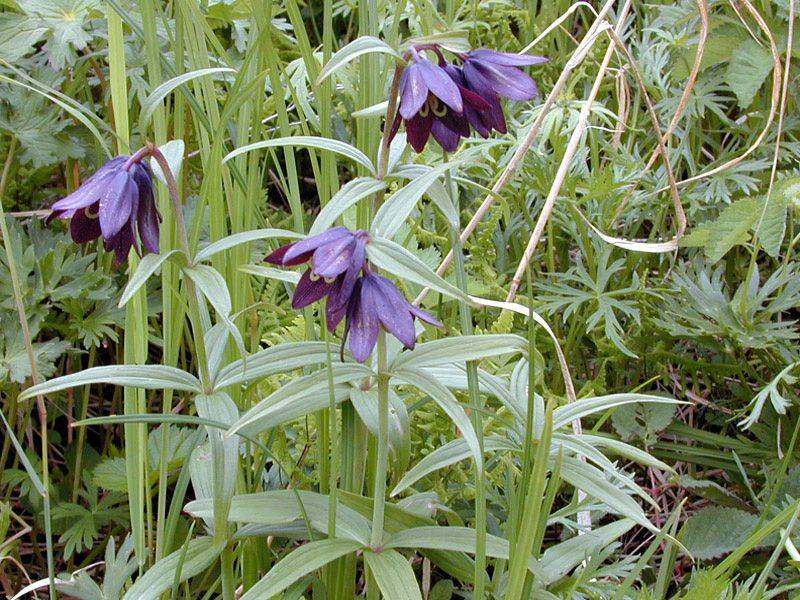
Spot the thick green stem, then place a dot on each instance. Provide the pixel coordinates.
(383, 445)
(475, 403)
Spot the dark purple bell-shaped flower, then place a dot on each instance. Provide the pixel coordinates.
(483, 114)
(337, 257)
(489, 73)
(430, 104)
(117, 203)
(376, 302)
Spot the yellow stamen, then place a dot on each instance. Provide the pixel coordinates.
(330, 279)
(91, 215)
(313, 276)
(423, 112)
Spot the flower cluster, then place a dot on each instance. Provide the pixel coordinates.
(339, 271)
(117, 203)
(445, 100)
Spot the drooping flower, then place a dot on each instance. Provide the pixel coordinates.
(337, 257)
(430, 104)
(376, 302)
(117, 203)
(491, 73)
(483, 114)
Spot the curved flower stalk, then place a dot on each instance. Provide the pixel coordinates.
(445, 100)
(115, 203)
(339, 271)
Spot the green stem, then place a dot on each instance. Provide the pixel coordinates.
(383, 445)
(475, 403)
(193, 307)
(26, 335)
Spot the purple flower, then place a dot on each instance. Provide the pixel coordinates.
(430, 104)
(483, 114)
(337, 257)
(376, 302)
(116, 203)
(490, 74)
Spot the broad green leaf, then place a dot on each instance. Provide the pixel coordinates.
(731, 228)
(397, 207)
(458, 539)
(748, 68)
(393, 574)
(404, 265)
(149, 264)
(73, 111)
(459, 349)
(366, 44)
(286, 506)
(306, 559)
(348, 196)
(642, 420)
(398, 518)
(153, 101)
(448, 403)
(717, 530)
(224, 452)
(173, 154)
(67, 27)
(436, 192)
(299, 397)
(560, 558)
(375, 110)
(451, 453)
(276, 359)
(564, 415)
(18, 35)
(772, 224)
(244, 237)
(306, 141)
(366, 404)
(454, 41)
(271, 273)
(596, 485)
(212, 285)
(159, 578)
(148, 377)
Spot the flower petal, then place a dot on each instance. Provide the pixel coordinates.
(424, 316)
(277, 256)
(82, 228)
(440, 84)
(392, 309)
(116, 203)
(88, 193)
(312, 243)
(505, 81)
(364, 325)
(446, 137)
(348, 281)
(147, 222)
(309, 290)
(506, 59)
(418, 130)
(332, 259)
(414, 92)
(121, 243)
